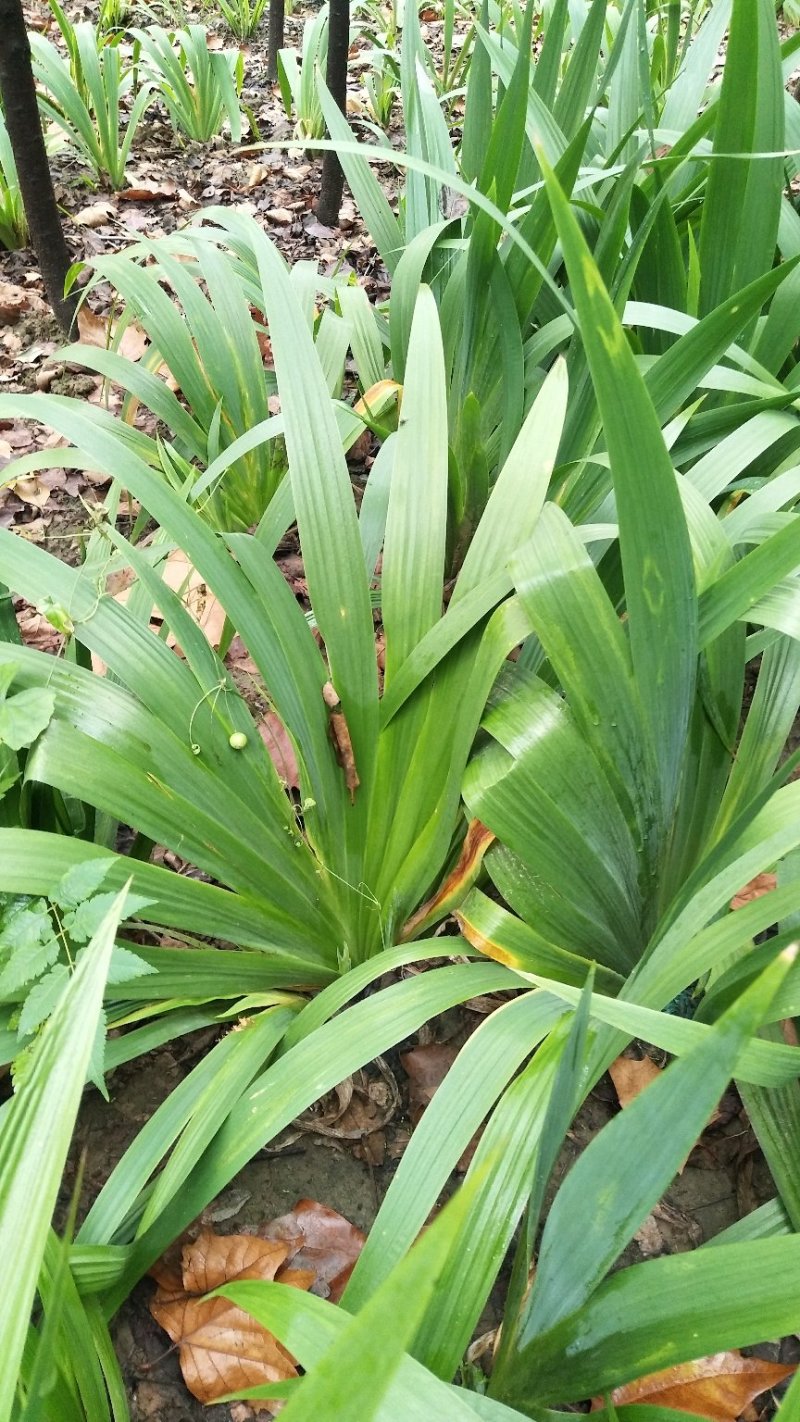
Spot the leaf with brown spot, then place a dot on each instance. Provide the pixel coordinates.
(458, 882)
(221, 1348)
(340, 735)
(756, 889)
(719, 1387)
(631, 1076)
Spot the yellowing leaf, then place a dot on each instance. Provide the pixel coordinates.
(461, 878)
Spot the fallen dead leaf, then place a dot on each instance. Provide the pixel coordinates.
(96, 330)
(719, 1387)
(96, 215)
(31, 490)
(756, 889)
(426, 1067)
(13, 302)
(357, 1110)
(319, 1240)
(221, 1348)
(280, 749)
(281, 216)
(631, 1076)
(157, 192)
(258, 174)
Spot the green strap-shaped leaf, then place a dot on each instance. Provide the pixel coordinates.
(656, 1131)
(654, 541)
(35, 1137)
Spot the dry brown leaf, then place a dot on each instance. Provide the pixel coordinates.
(280, 749)
(281, 216)
(258, 174)
(631, 1076)
(221, 1348)
(13, 302)
(357, 1109)
(426, 1068)
(756, 889)
(96, 215)
(340, 735)
(96, 330)
(321, 1240)
(31, 491)
(200, 602)
(719, 1387)
(156, 192)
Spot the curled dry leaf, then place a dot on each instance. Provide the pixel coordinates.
(357, 1109)
(719, 1387)
(631, 1076)
(31, 490)
(756, 889)
(221, 1348)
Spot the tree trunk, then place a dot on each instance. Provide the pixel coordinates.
(276, 15)
(332, 184)
(18, 93)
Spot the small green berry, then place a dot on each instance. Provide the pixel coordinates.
(237, 741)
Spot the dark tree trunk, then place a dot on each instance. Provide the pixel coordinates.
(276, 15)
(18, 93)
(332, 184)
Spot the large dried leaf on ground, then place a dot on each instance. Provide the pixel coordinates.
(756, 889)
(221, 1348)
(320, 1240)
(426, 1067)
(631, 1076)
(720, 1386)
(97, 330)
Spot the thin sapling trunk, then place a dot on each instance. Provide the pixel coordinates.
(277, 10)
(332, 183)
(18, 92)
